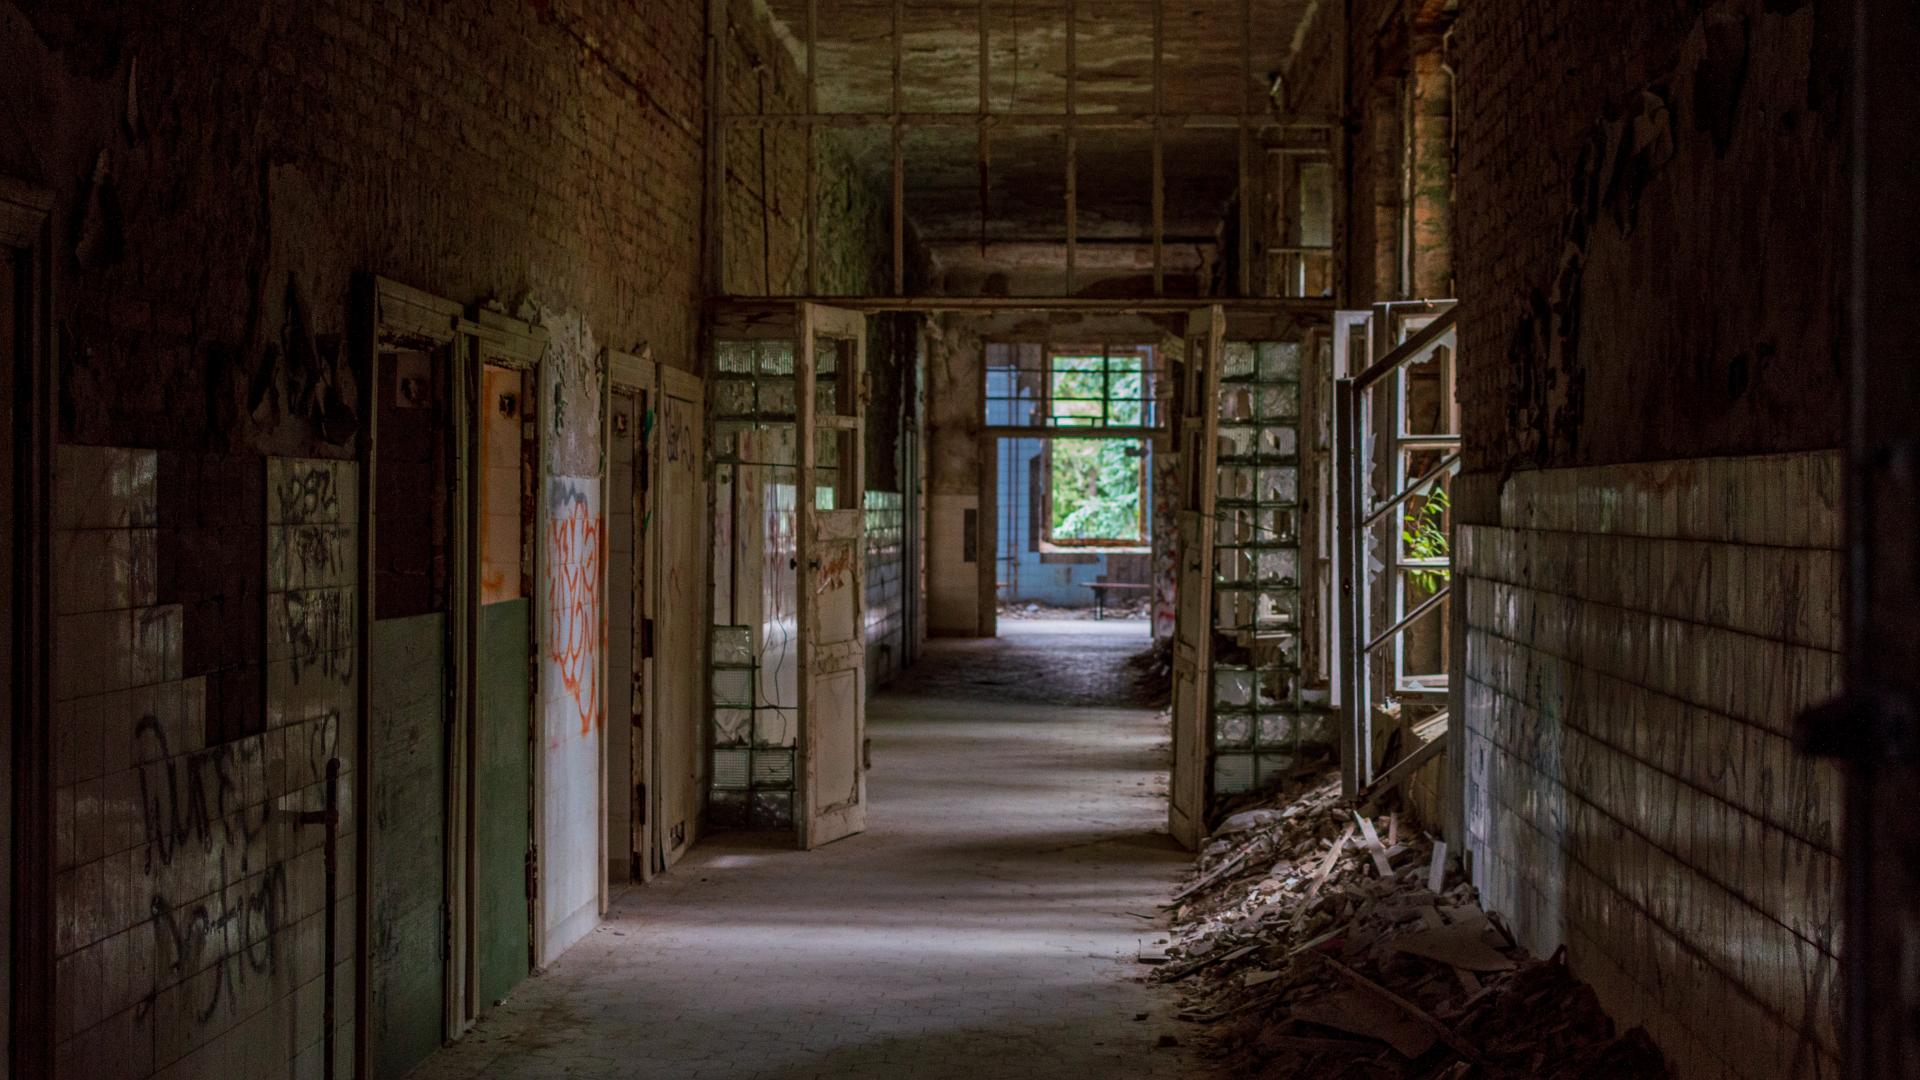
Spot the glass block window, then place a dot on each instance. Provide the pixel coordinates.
(886, 599)
(1260, 726)
(755, 681)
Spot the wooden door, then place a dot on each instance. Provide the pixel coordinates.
(631, 758)
(679, 529)
(1193, 584)
(506, 444)
(832, 547)
(410, 701)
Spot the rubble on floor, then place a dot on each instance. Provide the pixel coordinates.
(1319, 942)
(1114, 611)
(1153, 673)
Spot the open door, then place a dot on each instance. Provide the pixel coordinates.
(675, 526)
(1193, 583)
(832, 547)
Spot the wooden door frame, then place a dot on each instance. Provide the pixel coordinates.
(1200, 403)
(678, 383)
(487, 338)
(26, 234)
(638, 374)
(388, 313)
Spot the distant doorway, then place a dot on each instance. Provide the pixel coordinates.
(1072, 479)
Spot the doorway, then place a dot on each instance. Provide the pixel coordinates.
(1072, 429)
(656, 515)
(498, 605)
(409, 664)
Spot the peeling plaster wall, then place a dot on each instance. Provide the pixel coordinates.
(571, 633)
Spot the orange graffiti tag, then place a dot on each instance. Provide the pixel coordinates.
(575, 535)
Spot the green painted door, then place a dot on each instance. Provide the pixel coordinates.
(502, 817)
(408, 673)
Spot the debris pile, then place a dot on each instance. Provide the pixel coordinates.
(1320, 941)
(1153, 673)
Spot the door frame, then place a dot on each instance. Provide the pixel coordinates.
(1198, 436)
(678, 383)
(396, 314)
(487, 338)
(626, 371)
(26, 235)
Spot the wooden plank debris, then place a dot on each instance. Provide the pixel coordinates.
(1372, 841)
(1277, 883)
(1440, 1031)
(1459, 945)
(1364, 1014)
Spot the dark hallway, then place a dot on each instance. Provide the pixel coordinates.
(986, 924)
(817, 538)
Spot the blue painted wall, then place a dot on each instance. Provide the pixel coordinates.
(1024, 575)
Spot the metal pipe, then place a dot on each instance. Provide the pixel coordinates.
(329, 819)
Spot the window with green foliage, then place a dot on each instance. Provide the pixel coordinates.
(1096, 492)
(1109, 389)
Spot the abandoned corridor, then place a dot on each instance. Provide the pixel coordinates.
(986, 924)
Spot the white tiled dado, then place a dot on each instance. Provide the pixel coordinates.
(1639, 640)
(189, 903)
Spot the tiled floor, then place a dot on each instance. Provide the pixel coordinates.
(983, 927)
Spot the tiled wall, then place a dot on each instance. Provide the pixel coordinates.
(1639, 640)
(886, 606)
(190, 899)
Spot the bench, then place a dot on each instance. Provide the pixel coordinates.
(1101, 588)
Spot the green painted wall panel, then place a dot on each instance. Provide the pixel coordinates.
(407, 670)
(502, 820)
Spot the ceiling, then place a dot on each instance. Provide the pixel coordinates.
(1026, 167)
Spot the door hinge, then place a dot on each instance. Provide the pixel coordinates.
(533, 871)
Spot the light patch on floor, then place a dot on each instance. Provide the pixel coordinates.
(984, 928)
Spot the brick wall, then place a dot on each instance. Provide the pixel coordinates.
(221, 172)
(1395, 77)
(1650, 235)
(1651, 218)
(1638, 640)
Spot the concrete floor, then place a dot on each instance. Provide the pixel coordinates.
(984, 927)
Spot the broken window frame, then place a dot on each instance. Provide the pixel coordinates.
(1363, 442)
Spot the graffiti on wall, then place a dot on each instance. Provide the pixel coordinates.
(197, 843)
(576, 542)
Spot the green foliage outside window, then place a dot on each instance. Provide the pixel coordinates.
(1097, 391)
(1096, 490)
(1096, 485)
(1427, 539)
